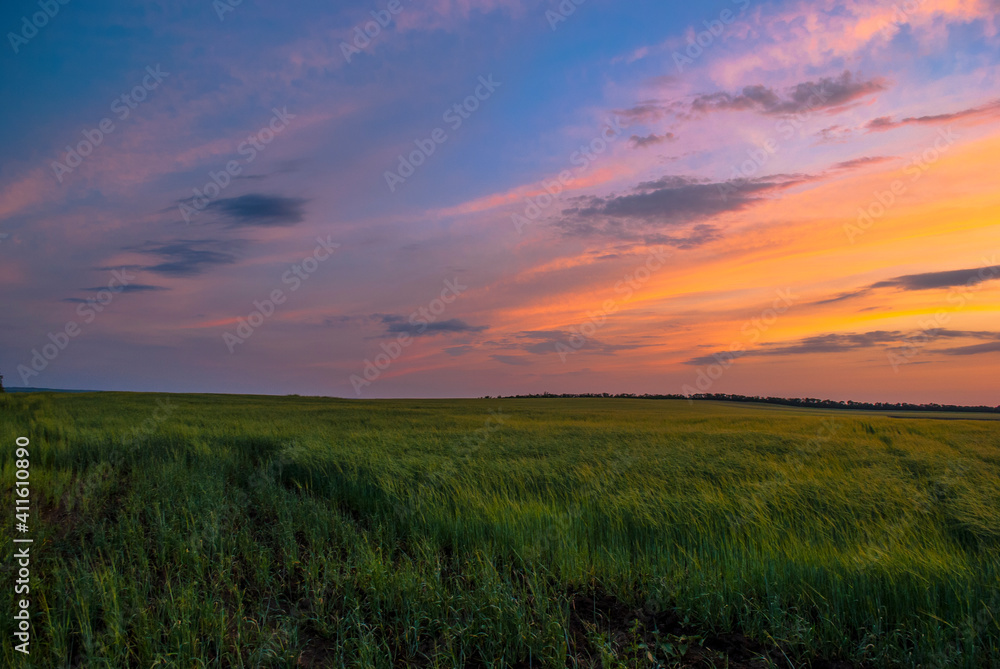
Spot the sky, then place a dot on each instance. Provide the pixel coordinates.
(447, 198)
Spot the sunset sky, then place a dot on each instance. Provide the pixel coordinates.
(783, 198)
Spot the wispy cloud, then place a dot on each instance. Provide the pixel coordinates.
(128, 288)
(846, 342)
(651, 140)
(924, 281)
(862, 162)
(975, 349)
(187, 257)
(987, 112)
(543, 342)
(647, 111)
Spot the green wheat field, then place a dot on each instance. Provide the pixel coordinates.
(238, 531)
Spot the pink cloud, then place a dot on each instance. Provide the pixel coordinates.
(816, 32)
(24, 193)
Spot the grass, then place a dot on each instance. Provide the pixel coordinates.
(204, 531)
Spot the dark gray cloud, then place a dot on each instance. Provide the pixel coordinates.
(834, 134)
(396, 325)
(843, 297)
(833, 343)
(130, 288)
(924, 281)
(697, 236)
(989, 110)
(828, 343)
(187, 257)
(975, 349)
(651, 140)
(828, 94)
(845, 342)
(256, 209)
(673, 202)
(683, 203)
(881, 123)
(713, 358)
(947, 279)
(680, 199)
(648, 111)
(824, 94)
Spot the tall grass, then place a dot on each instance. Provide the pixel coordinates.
(251, 532)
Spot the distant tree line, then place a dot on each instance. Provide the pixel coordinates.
(786, 401)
